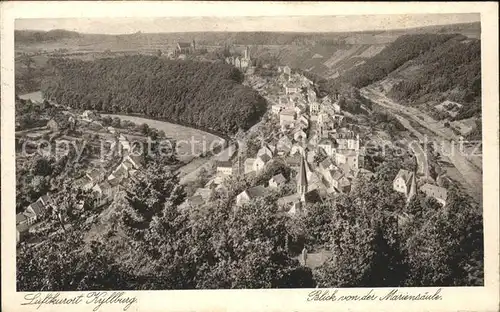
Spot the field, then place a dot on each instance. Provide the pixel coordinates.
(190, 142)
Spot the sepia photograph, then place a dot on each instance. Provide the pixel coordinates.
(248, 152)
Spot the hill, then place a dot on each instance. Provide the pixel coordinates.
(205, 95)
(326, 54)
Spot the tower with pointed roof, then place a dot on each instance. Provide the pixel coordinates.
(413, 186)
(302, 179)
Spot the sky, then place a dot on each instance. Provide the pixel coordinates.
(266, 23)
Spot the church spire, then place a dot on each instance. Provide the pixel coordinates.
(413, 186)
(302, 178)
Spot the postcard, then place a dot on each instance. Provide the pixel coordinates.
(237, 156)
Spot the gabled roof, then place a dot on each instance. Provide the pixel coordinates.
(265, 158)
(326, 163)
(203, 192)
(405, 175)
(224, 164)
(435, 191)
(38, 207)
(196, 200)
(184, 44)
(21, 228)
(279, 178)
(20, 217)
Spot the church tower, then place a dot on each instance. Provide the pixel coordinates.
(302, 179)
(413, 186)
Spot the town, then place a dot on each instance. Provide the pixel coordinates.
(230, 160)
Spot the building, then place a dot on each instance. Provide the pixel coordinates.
(266, 150)
(405, 182)
(284, 145)
(185, 48)
(277, 181)
(36, 211)
(313, 108)
(348, 157)
(249, 165)
(300, 135)
(348, 141)
(291, 88)
(293, 161)
(260, 162)
(21, 232)
(287, 117)
(224, 168)
(135, 160)
(276, 108)
(287, 70)
(304, 122)
(311, 95)
(249, 194)
(103, 193)
(439, 193)
(328, 146)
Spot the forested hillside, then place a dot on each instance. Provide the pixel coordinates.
(396, 54)
(450, 71)
(205, 95)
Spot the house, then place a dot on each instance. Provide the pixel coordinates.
(103, 193)
(346, 156)
(328, 145)
(287, 117)
(291, 88)
(405, 182)
(249, 194)
(336, 108)
(313, 108)
(111, 130)
(265, 150)
(35, 211)
(224, 168)
(311, 96)
(249, 165)
(21, 218)
(284, 145)
(304, 122)
(125, 144)
(438, 192)
(185, 47)
(300, 136)
(348, 141)
(287, 70)
(326, 165)
(260, 162)
(365, 173)
(237, 62)
(277, 181)
(341, 182)
(21, 232)
(276, 108)
(53, 125)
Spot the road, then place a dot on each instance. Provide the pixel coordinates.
(472, 175)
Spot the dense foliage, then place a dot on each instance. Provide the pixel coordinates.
(396, 54)
(451, 71)
(205, 95)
